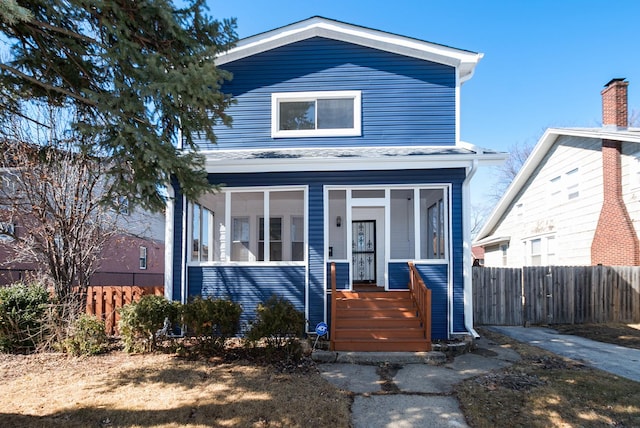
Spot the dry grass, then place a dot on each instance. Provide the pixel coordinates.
(544, 390)
(119, 390)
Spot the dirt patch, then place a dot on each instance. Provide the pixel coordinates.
(545, 390)
(387, 372)
(47, 390)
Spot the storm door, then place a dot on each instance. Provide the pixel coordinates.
(363, 251)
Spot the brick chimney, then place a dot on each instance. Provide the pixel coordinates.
(614, 103)
(615, 241)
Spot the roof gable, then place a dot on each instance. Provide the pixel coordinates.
(544, 145)
(464, 61)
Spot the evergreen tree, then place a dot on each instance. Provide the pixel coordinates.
(138, 75)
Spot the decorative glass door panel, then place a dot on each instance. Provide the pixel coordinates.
(363, 251)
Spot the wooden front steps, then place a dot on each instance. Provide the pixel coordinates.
(378, 321)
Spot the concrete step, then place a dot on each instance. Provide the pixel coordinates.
(389, 345)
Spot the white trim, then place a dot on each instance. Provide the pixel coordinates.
(215, 164)
(306, 259)
(168, 243)
(467, 272)
(457, 112)
(417, 243)
(387, 236)
(247, 263)
(464, 61)
(185, 249)
(279, 97)
(449, 246)
(347, 225)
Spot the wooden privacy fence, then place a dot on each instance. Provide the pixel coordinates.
(556, 295)
(104, 301)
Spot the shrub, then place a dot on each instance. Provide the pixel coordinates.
(22, 309)
(139, 322)
(280, 324)
(86, 336)
(211, 322)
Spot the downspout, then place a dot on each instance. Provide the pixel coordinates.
(467, 271)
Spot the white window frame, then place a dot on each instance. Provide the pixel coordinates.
(572, 184)
(278, 98)
(548, 250)
(226, 236)
(143, 257)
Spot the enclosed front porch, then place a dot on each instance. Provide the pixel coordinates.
(249, 241)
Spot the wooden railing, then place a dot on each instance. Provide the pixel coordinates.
(421, 296)
(332, 332)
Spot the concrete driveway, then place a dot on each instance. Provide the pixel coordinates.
(614, 359)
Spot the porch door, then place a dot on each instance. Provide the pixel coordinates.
(363, 251)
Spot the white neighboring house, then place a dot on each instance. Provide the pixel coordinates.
(576, 200)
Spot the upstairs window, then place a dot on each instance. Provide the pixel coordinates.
(316, 114)
(573, 184)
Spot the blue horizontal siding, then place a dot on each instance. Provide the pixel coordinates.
(248, 285)
(398, 276)
(316, 254)
(405, 101)
(342, 276)
(436, 278)
(457, 258)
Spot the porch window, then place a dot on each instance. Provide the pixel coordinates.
(316, 114)
(297, 238)
(275, 239)
(240, 239)
(403, 225)
(266, 225)
(432, 207)
(201, 219)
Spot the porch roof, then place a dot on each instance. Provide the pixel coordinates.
(350, 158)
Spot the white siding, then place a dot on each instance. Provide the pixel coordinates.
(631, 181)
(571, 222)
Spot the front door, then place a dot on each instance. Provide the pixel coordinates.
(363, 251)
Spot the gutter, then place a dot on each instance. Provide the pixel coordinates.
(467, 272)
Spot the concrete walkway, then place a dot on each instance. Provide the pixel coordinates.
(614, 359)
(400, 390)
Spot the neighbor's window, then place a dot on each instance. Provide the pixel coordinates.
(143, 257)
(316, 114)
(504, 249)
(573, 184)
(536, 252)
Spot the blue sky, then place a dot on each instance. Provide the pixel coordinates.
(545, 62)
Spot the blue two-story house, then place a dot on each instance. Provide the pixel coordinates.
(344, 151)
